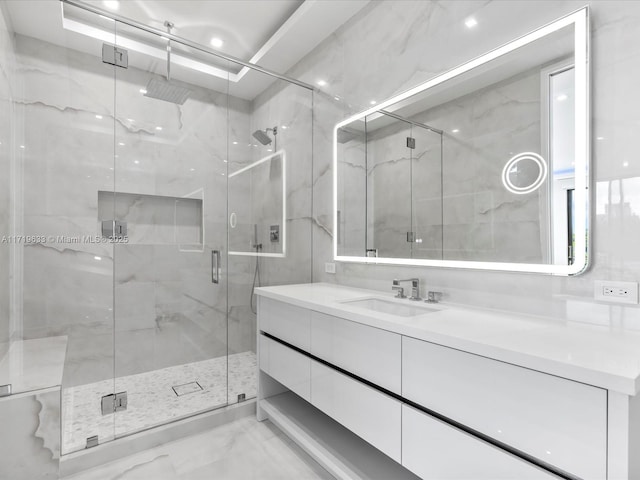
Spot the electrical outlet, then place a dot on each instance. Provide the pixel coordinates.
(330, 267)
(616, 292)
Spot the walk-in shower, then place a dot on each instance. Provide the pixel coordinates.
(126, 199)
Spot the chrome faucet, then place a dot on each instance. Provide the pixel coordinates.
(415, 288)
(433, 297)
(399, 289)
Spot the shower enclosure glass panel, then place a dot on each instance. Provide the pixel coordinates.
(130, 190)
(63, 279)
(282, 115)
(170, 201)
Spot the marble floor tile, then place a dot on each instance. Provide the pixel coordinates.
(240, 450)
(152, 399)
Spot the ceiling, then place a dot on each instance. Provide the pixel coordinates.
(274, 34)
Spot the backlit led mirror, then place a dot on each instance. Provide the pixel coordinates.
(485, 166)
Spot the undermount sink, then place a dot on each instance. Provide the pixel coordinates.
(391, 307)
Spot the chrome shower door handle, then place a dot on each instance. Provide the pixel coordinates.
(215, 266)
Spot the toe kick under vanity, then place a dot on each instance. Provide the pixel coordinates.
(376, 387)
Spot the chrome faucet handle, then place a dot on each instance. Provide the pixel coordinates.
(400, 290)
(415, 288)
(433, 297)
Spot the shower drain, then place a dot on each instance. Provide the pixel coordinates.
(187, 388)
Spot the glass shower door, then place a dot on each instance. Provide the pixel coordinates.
(170, 221)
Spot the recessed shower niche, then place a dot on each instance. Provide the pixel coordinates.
(155, 219)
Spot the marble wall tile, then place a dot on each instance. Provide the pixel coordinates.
(391, 46)
(31, 435)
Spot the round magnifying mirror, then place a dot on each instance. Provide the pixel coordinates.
(524, 173)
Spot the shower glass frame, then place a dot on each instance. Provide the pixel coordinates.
(123, 197)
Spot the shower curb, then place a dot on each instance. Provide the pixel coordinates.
(76, 462)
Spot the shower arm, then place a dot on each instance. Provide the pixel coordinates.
(169, 26)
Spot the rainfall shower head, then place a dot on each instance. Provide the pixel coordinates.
(165, 90)
(162, 89)
(262, 137)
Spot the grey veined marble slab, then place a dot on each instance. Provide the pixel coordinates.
(152, 399)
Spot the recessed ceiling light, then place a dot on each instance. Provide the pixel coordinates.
(225, 161)
(235, 143)
(130, 120)
(121, 144)
(136, 162)
(625, 164)
(158, 128)
(111, 4)
(336, 98)
(600, 138)
(562, 97)
(99, 117)
(98, 258)
(21, 146)
(455, 130)
(284, 127)
(269, 150)
(143, 91)
(470, 22)
(373, 102)
(216, 42)
(321, 82)
(192, 169)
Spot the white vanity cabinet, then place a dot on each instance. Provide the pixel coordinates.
(435, 450)
(287, 366)
(440, 412)
(370, 353)
(370, 414)
(559, 421)
(287, 322)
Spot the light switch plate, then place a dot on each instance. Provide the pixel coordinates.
(330, 267)
(616, 292)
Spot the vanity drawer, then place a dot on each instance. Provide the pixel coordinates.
(287, 322)
(368, 352)
(434, 450)
(290, 368)
(373, 416)
(559, 421)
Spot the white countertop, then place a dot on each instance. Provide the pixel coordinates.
(578, 352)
(31, 365)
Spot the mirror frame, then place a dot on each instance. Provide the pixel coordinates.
(283, 232)
(580, 20)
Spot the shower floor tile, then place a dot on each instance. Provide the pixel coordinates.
(152, 400)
